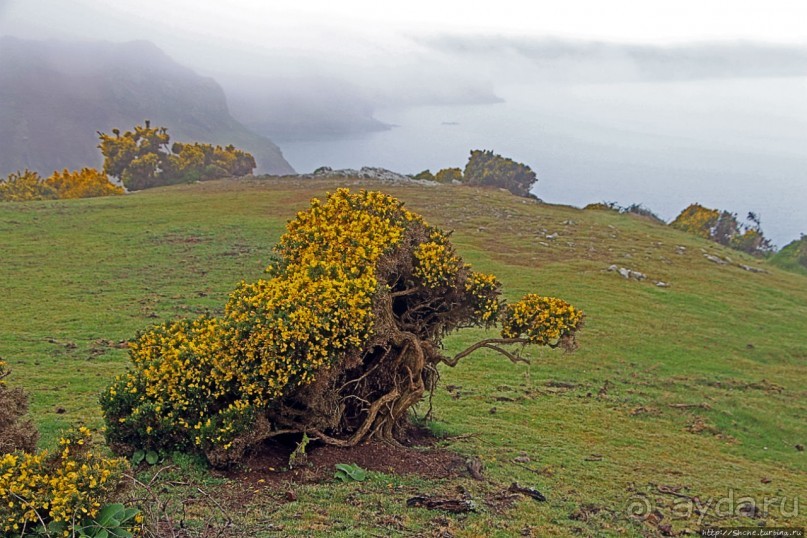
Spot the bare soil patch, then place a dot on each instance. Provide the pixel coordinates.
(268, 465)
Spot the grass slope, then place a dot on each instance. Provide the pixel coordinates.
(698, 388)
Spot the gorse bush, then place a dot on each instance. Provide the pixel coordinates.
(142, 158)
(632, 209)
(24, 186)
(59, 492)
(603, 206)
(489, 169)
(448, 175)
(339, 341)
(16, 433)
(541, 320)
(84, 183)
(724, 228)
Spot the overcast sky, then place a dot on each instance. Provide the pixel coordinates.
(296, 38)
(325, 23)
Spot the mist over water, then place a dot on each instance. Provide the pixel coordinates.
(696, 103)
(735, 144)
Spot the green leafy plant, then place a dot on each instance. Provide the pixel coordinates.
(349, 472)
(149, 456)
(113, 521)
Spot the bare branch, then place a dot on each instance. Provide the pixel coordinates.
(490, 343)
(402, 293)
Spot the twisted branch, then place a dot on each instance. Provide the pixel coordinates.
(490, 343)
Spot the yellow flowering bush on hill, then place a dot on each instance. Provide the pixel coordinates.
(84, 183)
(723, 227)
(339, 341)
(142, 158)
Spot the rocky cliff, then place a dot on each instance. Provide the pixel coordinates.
(54, 96)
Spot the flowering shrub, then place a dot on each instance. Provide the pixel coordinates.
(84, 183)
(339, 341)
(545, 321)
(724, 228)
(24, 186)
(142, 158)
(63, 489)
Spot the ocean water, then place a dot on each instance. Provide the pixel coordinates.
(734, 144)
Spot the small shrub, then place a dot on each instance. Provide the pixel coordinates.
(16, 433)
(633, 209)
(603, 206)
(56, 490)
(642, 211)
(424, 175)
(448, 175)
(545, 321)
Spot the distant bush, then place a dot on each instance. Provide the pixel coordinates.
(24, 186)
(142, 158)
(488, 169)
(633, 209)
(424, 175)
(84, 183)
(448, 175)
(697, 220)
(642, 211)
(724, 228)
(603, 206)
(793, 257)
(339, 342)
(16, 433)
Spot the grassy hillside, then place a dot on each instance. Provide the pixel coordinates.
(694, 390)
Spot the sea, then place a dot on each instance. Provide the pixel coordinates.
(733, 144)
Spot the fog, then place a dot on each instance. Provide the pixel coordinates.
(604, 105)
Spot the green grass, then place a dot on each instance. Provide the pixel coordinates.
(81, 275)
